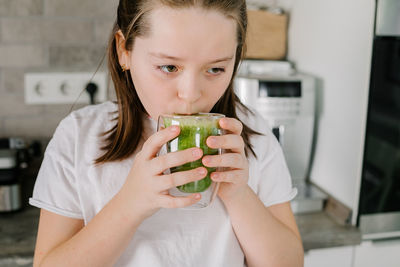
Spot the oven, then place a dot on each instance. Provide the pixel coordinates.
(378, 214)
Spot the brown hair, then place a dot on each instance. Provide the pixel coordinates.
(123, 139)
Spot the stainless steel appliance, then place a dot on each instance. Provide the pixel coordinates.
(13, 158)
(10, 189)
(287, 102)
(378, 213)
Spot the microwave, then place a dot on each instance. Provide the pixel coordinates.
(287, 103)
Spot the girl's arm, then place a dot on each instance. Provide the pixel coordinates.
(63, 241)
(267, 235)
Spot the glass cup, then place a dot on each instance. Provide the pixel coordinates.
(195, 129)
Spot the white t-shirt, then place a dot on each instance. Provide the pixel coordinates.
(69, 184)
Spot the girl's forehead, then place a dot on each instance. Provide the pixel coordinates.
(165, 19)
(190, 30)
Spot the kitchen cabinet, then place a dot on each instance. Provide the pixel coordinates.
(329, 257)
(380, 253)
(333, 41)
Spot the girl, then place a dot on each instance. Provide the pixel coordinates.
(101, 188)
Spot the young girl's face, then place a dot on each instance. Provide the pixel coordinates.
(186, 62)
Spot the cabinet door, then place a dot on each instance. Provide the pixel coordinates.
(329, 257)
(382, 253)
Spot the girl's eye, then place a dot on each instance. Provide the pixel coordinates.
(215, 70)
(168, 68)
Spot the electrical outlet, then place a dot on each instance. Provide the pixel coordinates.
(63, 88)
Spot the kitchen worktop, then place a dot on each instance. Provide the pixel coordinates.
(320, 230)
(18, 234)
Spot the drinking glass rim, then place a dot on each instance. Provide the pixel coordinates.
(199, 115)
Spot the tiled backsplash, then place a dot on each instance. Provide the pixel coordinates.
(48, 36)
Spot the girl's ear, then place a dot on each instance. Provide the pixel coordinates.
(123, 54)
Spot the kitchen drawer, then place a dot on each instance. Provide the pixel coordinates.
(329, 257)
(381, 253)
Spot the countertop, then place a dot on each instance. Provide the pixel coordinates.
(17, 237)
(18, 234)
(319, 230)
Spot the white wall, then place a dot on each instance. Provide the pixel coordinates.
(333, 40)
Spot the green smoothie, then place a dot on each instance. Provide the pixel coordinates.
(194, 132)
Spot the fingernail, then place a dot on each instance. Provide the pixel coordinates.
(206, 160)
(197, 152)
(212, 141)
(174, 129)
(197, 196)
(215, 176)
(202, 171)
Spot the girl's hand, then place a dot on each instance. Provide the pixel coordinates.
(234, 179)
(146, 187)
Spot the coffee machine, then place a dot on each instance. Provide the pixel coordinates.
(287, 104)
(286, 99)
(13, 158)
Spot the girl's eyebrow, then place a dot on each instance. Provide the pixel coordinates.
(164, 56)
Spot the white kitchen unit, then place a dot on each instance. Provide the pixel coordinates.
(329, 257)
(381, 253)
(332, 40)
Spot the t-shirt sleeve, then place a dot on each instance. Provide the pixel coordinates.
(55, 188)
(275, 184)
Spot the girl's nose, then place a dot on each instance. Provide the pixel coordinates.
(189, 89)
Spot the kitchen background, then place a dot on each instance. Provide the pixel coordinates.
(331, 40)
(46, 36)
(71, 35)
(50, 36)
